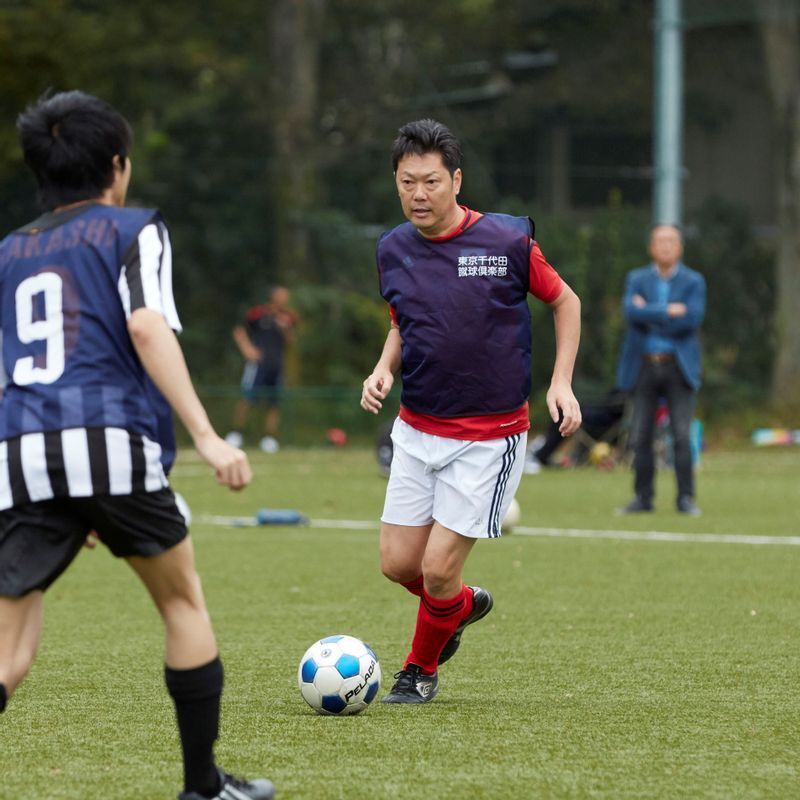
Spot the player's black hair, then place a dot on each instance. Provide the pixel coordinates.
(427, 136)
(69, 140)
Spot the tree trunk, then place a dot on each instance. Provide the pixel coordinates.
(781, 39)
(294, 61)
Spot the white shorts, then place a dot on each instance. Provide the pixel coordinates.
(465, 486)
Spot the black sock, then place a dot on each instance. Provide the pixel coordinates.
(3, 698)
(196, 694)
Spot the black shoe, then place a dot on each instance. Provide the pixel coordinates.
(236, 789)
(686, 505)
(636, 506)
(482, 603)
(413, 686)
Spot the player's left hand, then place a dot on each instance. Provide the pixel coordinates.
(563, 405)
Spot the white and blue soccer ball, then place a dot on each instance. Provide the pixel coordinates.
(339, 675)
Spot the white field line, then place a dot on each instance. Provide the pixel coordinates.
(659, 536)
(557, 533)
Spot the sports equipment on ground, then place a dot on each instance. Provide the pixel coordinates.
(413, 686)
(339, 675)
(482, 603)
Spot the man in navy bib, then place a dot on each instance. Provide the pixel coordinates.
(94, 371)
(457, 284)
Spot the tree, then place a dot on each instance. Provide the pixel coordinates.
(780, 33)
(294, 61)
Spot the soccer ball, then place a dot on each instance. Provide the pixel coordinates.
(512, 517)
(339, 675)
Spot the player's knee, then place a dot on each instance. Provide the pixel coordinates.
(439, 576)
(184, 611)
(184, 597)
(398, 571)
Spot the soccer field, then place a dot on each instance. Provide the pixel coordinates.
(611, 667)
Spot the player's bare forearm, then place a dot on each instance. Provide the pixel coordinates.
(378, 385)
(246, 348)
(561, 400)
(161, 356)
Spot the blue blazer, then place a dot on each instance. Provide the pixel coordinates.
(687, 287)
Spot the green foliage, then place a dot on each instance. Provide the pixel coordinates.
(196, 87)
(738, 335)
(341, 335)
(593, 256)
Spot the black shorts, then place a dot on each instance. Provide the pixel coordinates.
(261, 383)
(38, 541)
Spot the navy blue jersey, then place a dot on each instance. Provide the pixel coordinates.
(461, 306)
(79, 415)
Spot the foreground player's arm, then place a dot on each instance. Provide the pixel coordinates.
(561, 400)
(378, 385)
(161, 355)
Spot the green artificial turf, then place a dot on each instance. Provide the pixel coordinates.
(609, 668)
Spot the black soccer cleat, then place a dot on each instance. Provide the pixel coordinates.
(236, 789)
(412, 685)
(482, 603)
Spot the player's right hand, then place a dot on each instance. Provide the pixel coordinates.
(230, 463)
(375, 389)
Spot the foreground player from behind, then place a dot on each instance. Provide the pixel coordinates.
(86, 439)
(456, 282)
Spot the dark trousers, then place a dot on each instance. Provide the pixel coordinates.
(597, 421)
(657, 380)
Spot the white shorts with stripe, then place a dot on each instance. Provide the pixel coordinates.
(465, 486)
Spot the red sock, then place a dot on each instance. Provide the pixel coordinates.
(437, 621)
(415, 586)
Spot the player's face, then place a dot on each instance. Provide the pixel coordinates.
(428, 193)
(666, 245)
(280, 298)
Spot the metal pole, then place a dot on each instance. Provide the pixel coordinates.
(668, 114)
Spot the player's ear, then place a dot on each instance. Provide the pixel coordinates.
(457, 180)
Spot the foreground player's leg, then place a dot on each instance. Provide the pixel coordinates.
(444, 603)
(402, 549)
(20, 631)
(193, 672)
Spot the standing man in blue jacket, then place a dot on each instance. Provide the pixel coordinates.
(664, 305)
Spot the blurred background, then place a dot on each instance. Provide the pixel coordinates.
(263, 132)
